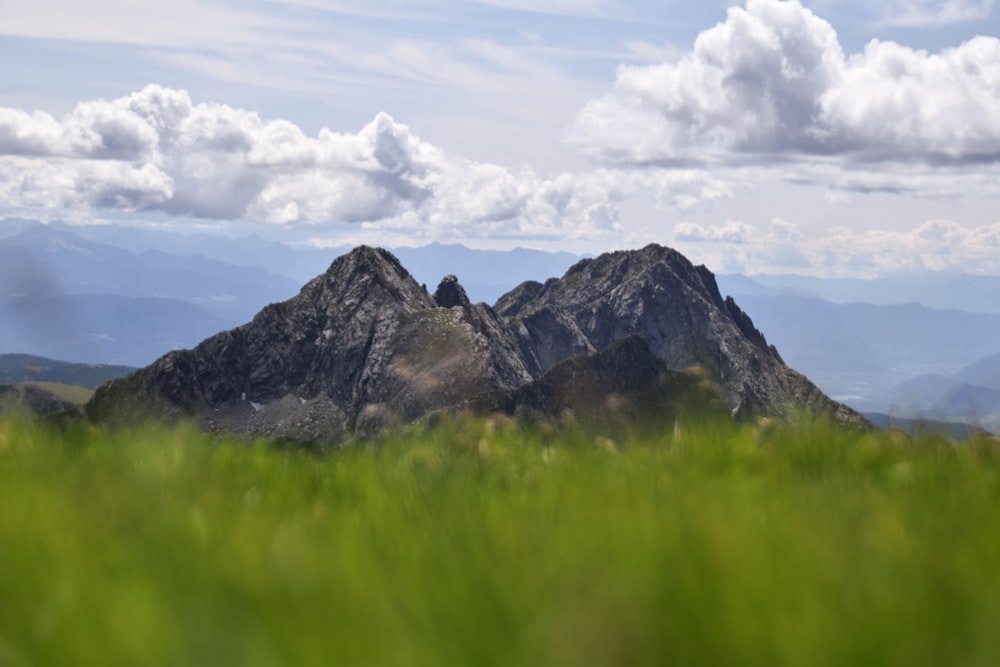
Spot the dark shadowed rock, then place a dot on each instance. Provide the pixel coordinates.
(450, 293)
(363, 346)
(510, 304)
(623, 384)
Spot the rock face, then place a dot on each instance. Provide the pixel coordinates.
(364, 346)
(657, 295)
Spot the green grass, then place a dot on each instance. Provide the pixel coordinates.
(484, 542)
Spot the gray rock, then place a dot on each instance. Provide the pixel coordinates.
(363, 347)
(359, 348)
(450, 293)
(657, 295)
(623, 386)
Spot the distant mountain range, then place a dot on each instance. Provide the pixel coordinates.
(972, 395)
(42, 262)
(16, 368)
(974, 294)
(486, 274)
(858, 352)
(109, 329)
(122, 295)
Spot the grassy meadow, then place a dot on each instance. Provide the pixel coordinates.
(487, 542)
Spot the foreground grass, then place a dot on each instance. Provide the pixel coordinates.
(488, 543)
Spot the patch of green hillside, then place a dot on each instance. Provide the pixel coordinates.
(487, 542)
(65, 392)
(41, 399)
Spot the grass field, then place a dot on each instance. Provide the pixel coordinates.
(484, 542)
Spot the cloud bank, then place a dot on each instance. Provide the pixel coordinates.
(766, 95)
(772, 81)
(156, 150)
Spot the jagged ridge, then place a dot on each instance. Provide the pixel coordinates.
(364, 346)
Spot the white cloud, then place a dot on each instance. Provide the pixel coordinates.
(936, 245)
(156, 150)
(773, 80)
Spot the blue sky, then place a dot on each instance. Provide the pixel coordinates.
(836, 137)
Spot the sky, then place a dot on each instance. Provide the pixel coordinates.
(828, 137)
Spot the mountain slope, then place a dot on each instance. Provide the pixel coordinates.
(41, 399)
(360, 346)
(364, 345)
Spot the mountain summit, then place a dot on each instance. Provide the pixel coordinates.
(364, 346)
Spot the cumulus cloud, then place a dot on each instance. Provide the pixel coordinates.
(936, 245)
(772, 81)
(156, 150)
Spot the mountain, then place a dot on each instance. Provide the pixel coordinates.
(42, 261)
(299, 263)
(12, 226)
(103, 329)
(974, 294)
(364, 346)
(971, 396)
(858, 352)
(63, 296)
(15, 368)
(495, 271)
(55, 272)
(984, 372)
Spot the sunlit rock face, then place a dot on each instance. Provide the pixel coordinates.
(363, 347)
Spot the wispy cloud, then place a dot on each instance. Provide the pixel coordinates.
(933, 13)
(558, 7)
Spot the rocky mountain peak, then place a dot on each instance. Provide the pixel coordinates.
(363, 346)
(366, 273)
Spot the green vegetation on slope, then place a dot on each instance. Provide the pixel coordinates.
(486, 542)
(64, 392)
(41, 399)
